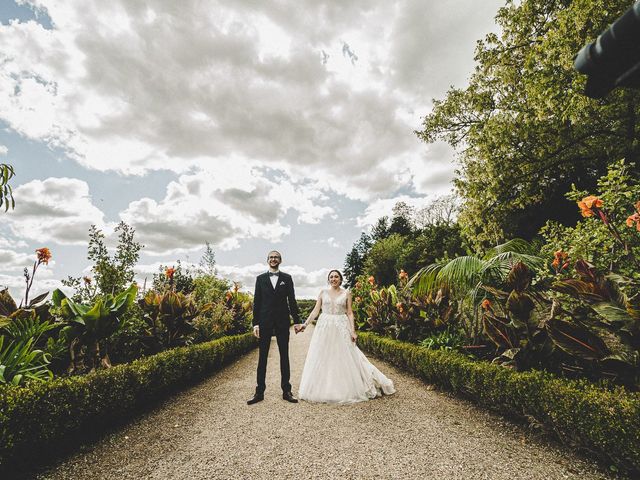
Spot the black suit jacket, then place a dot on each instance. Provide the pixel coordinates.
(272, 308)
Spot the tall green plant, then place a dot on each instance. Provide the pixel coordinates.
(465, 278)
(6, 192)
(88, 327)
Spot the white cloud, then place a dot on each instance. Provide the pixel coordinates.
(245, 78)
(54, 210)
(222, 204)
(3, 149)
(383, 207)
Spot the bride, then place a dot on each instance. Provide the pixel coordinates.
(336, 371)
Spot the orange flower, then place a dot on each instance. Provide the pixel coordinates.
(372, 281)
(87, 280)
(44, 255)
(358, 299)
(634, 219)
(228, 296)
(358, 285)
(592, 201)
(587, 204)
(169, 272)
(486, 304)
(236, 286)
(560, 258)
(403, 275)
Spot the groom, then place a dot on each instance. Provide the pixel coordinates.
(273, 301)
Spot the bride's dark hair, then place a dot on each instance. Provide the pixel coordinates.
(338, 272)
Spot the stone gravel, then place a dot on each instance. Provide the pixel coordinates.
(209, 432)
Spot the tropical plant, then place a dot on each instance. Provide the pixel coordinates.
(608, 234)
(448, 339)
(88, 327)
(464, 278)
(43, 256)
(605, 337)
(169, 318)
(20, 361)
(241, 307)
(6, 193)
(175, 278)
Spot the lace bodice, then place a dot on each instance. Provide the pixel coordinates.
(337, 306)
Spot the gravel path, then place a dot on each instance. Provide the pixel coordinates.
(208, 432)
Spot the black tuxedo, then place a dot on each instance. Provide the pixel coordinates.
(272, 309)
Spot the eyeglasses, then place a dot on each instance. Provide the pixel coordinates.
(277, 258)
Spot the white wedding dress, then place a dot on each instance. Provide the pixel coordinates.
(336, 371)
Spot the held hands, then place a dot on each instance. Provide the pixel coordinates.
(299, 327)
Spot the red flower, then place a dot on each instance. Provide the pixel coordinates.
(403, 275)
(169, 272)
(486, 304)
(44, 255)
(372, 281)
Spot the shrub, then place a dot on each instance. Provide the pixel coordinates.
(37, 418)
(604, 421)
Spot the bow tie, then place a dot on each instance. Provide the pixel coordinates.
(271, 274)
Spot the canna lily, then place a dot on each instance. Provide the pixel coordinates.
(358, 285)
(87, 280)
(372, 281)
(486, 304)
(44, 255)
(635, 218)
(588, 204)
(169, 272)
(358, 299)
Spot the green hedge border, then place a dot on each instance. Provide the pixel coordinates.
(35, 418)
(604, 422)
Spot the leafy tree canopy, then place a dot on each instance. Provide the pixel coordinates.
(522, 127)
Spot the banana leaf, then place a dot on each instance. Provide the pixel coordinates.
(613, 315)
(576, 340)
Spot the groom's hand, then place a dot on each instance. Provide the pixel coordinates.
(256, 331)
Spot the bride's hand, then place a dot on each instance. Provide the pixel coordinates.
(354, 336)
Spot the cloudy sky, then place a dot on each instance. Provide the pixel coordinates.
(251, 125)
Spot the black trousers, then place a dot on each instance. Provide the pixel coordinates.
(283, 348)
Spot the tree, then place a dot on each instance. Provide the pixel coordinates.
(442, 211)
(208, 260)
(355, 261)
(381, 229)
(523, 129)
(401, 221)
(6, 192)
(384, 259)
(111, 275)
(433, 243)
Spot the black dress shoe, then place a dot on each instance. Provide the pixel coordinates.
(256, 398)
(288, 396)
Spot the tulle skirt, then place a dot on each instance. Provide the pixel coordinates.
(336, 371)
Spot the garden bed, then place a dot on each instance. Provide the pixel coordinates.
(36, 418)
(603, 422)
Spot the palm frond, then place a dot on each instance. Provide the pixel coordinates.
(515, 245)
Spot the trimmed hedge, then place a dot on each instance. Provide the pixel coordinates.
(605, 422)
(37, 417)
